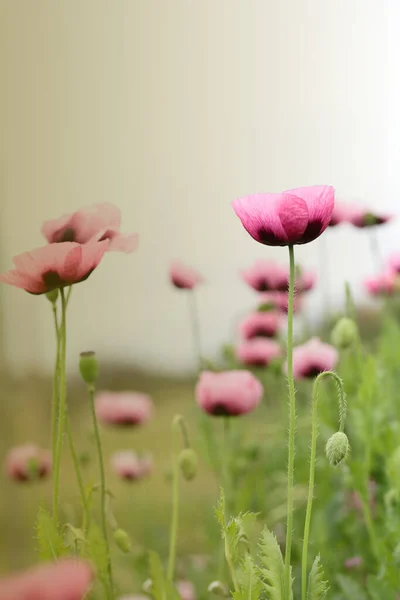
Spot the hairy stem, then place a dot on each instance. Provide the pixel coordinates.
(175, 519)
(292, 426)
(311, 479)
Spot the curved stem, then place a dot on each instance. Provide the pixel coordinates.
(311, 479)
(174, 522)
(292, 426)
(103, 492)
(62, 407)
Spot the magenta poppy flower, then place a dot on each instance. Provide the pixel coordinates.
(184, 277)
(67, 579)
(94, 223)
(258, 352)
(341, 213)
(384, 284)
(361, 217)
(229, 393)
(266, 275)
(280, 300)
(123, 408)
(261, 324)
(131, 467)
(312, 358)
(294, 217)
(54, 266)
(186, 589)
(27, 463)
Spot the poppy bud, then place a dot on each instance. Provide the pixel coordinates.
(344, 333)
(188, 463)
(337, 448)
(89, 367)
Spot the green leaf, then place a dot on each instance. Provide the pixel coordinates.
(96, 550)
(249, 583)
(379, 589)
(161, 588)
(50, 541)
(351, 588)
(273, 569)
(317, 586)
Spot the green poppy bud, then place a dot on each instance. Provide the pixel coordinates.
(123, 541)
(188, 463)
(337, 448)
(345, 333)
(89, 367)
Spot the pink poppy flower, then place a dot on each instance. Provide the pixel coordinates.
(94, 223)
(186, 590)
(341, 213)
(394, 263)
(184, 277)
(54, 266)
(66, 579)
(28, 462)
(229, 393)
(384, 284)
(305, 281)
(361, 217)
(131, 467)
(261, 324)
(258, 352)
(354, 562)
(123, 408)
(312, 358)
(266, 275)
(294, 217)
(280, 300)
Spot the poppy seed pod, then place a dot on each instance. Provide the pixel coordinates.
(89, 367)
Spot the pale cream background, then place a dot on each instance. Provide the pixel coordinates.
(171, 109)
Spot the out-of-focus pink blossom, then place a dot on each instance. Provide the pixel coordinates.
(312, 358)
(383, 284)
(297, 216)
(28, 462)
(131, 467)
(123, 408)
(361, 217)
(93, 223)
(186, 590)
(266, 275)
(230, 393)
(184, 277)
(258, 352)
(280, 300)
(261, 324)
(354, 562)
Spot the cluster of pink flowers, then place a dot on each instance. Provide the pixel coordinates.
(387, 282)
(76, 245)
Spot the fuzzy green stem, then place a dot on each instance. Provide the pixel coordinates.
(78, 473)
(292, 426)
(311, 479)
(103, 491)
(54, 402)
(62, 407)
(174, 521)
(195, 325)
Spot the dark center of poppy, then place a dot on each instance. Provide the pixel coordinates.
(313, 371)
(267, 237)
(219, 410)
(312, 231)
(262, 332)
(52, 280)
(67, 235)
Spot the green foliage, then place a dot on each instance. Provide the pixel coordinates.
(50, 541)
(317, 586)
(351, 589)
(96, 551)
(250, 586)
(161, 588)
(379, 589)
(272, 570)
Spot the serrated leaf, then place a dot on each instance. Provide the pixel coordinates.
(161, 588)
(49, 539)
(317, 586)
(351, 588)
(273, 569)
(249, 583)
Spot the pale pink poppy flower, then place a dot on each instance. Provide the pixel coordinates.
(312, 358)
(384, 284)
(66, 579)
(28, 462)
(280, 300)
(131, 467)
(184, 277)
(354, 562)
(261, 324)
(266, 275)
(54, 266)
(258, 352)
(296, 216)
(361, 217)
(186, 590)
(341, 213)
(394, 263)
(229, 393)
(93, 223)
(123, 408)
